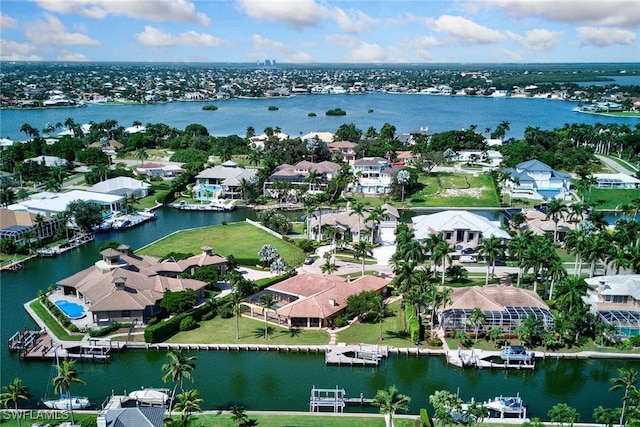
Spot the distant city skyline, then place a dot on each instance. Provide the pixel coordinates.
(314, 31)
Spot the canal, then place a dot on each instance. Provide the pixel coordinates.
(282, 381)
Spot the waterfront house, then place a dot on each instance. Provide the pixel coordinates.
(152, 170)
(459, 228)
(349, 226)
(537, 222)
(346, 148)
(299, 172)
(122, 186)
(615, 180)
(374, 175)
(504, 307)
(536, 180)
(222, 181)
(139, 416)
(615, 300)
(124, 287)
(15, 225)
(49, 204)
(311, 301)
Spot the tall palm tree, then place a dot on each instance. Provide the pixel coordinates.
(576, 242)
(358, 209)
(66, 375)
(361, 251)
(376, 215)
(491, 248)
(440, 255)
(517, 248)
(178, 368)
(236, 299)
(389, 401)
(266, 301)
(556, 210)
(477, 319)
(626, 380)
(379, 309)
(14, 393)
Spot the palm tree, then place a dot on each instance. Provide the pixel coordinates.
(361, 250)
(626, 380)
(477, 319)
(556, 211)
(517, 248)
(328, 267)
(376, 215)
(189, 401)
(313, 179)
(178, 368)
(570, 292)
(576, 241)
(440, 255)
(491, 248)
(379, 309)
(66, 375)
(358, 209)
(142, 155)
(389, 401)
(266, 301)
(236, 299)
(13, 393)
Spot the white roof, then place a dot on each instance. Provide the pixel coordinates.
(323, 136)
(51, 203)
(424, 225)
(135, 129)
(118, 183)
(616, 177)
(622, 284)
(49, 161)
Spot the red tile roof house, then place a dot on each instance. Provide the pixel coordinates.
(311, 301)
(124, 287)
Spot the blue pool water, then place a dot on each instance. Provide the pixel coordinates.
(71, 309)
(549, 194)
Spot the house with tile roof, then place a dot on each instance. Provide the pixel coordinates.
(311, 301)
(222, 181)
(122, 186)
(534, 179)
(15, 225)
(125, 287)
(504, 307)
(459, 228)
(346, 148)
(615, 300)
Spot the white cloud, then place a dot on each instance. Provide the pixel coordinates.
(13, 51)
(625, 13)
(299, 57)
(358, 50)
(267, 48)
(53, 31)
(355, 21)
(465, 30)
(602, 37)
(296, 13)
(262, 43)
(155, 37)
(513, 56)
(156, 10)
(71, 56)
(7, 22)
(538, 39)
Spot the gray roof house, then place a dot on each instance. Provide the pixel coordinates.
(140, 416)
(122, 186)
(615, 300)
(221, 181)
(536, 180)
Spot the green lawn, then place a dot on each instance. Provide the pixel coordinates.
(613, 197)
(303, 421)
(623, 163)
(223, 331)
(53, 326)
(392, 330)
(241, 239)
(454, 190)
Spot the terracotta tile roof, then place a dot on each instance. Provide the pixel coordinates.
(494, 298)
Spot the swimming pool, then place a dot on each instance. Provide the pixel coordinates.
(71, 309)
(548, 193)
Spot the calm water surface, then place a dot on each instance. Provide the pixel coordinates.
(282, 381)
(405, 112)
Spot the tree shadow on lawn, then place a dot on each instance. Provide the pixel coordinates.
(397, 334)
(259, 332)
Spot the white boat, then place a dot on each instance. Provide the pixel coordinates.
(222, 205)
(150, 396)
(65, 403)
(507, 406)
(516, 353)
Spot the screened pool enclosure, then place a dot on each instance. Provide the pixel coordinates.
(627, 322)
(459, 319)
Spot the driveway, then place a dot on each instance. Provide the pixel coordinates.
(614, 165)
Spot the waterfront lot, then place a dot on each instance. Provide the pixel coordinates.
(242, 240)
(612, 198)
(445, 189)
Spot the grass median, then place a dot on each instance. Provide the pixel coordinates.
(53, 326)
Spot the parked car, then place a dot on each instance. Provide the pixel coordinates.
(308, 260)
(500, 262)
(467, 251)
(468, 258)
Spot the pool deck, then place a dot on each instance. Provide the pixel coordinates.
(86, 321)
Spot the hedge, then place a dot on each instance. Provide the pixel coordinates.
(169, 327)
(412, 323)
(108, 329)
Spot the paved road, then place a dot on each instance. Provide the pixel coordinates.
(614, 165)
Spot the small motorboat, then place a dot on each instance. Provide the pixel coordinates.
(65, 403)
(150, 396)
(507, 406)
(516, 353)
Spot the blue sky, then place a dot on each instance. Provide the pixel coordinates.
(315, 31)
